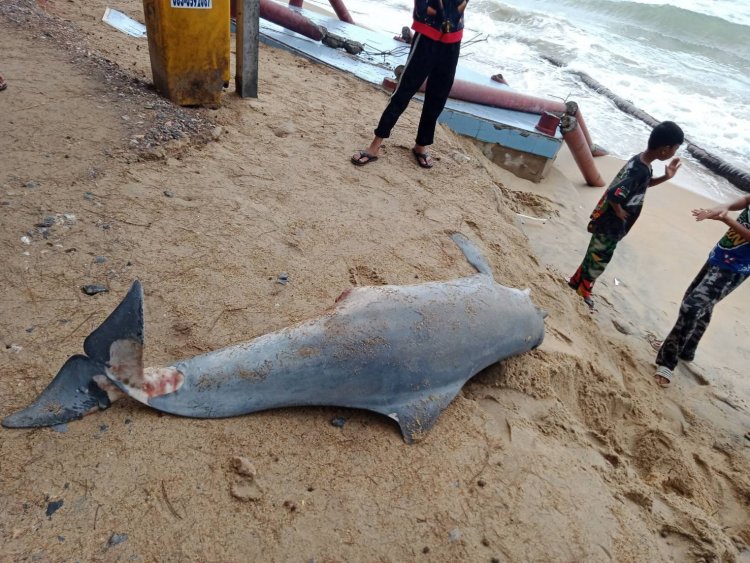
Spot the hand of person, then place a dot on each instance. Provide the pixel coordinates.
(671, 169)
(621, 213)
(718, 213)
(431, 11)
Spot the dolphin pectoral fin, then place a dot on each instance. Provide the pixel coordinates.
(416, 417)
(472, 254)
(118, 342)
(71, 395)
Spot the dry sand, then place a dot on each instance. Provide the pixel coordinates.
(569, 453)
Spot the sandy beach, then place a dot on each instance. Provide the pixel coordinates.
(568, 453)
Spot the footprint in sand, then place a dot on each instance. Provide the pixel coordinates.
(245, 487)
(370, 276)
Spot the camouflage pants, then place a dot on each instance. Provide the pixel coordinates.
(711, 285)
(598, 254)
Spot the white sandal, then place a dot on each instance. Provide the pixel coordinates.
(654, 341)
(666, 373)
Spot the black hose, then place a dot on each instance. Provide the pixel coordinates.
(736, 176)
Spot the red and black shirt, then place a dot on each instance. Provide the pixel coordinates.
(446, 25)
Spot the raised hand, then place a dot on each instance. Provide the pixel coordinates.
(717, 213)
(671, 169)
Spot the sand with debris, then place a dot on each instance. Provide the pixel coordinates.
(569, 453)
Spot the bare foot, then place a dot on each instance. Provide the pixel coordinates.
(661, 381)
(663, 376)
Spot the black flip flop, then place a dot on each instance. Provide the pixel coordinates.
(422, 159)
(356, 160)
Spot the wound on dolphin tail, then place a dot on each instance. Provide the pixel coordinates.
(115, 346)
(473, 254)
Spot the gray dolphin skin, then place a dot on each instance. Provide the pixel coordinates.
(402, 351)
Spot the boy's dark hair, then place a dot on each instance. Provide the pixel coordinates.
(666, 134)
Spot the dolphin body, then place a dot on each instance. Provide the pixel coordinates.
(402, 351)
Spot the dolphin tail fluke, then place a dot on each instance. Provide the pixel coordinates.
(416, 417)
(473, 254)
(116, 346)
(123, 327)
(71, 395)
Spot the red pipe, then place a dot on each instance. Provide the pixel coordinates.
(571, 108)
(595, 149)
(499, 98)
(340, 9)
(579, 147)
(290, 19)
(509, 99)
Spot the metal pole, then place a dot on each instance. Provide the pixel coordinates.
(247, 38)
(340, 8)
(290, 19)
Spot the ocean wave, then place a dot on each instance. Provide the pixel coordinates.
(705, 33)
(672, 20)
(673, 62)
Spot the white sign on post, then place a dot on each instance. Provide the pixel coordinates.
(199, 4)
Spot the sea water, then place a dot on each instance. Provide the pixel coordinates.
(682, 60)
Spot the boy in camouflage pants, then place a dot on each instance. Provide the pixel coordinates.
(620, 206)
(727, 267)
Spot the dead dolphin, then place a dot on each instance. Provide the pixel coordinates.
(402, 351)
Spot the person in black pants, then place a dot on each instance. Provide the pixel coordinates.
(438, 26)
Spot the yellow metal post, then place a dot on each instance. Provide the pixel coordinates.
(188, 41)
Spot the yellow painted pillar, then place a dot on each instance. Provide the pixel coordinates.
(188, 41)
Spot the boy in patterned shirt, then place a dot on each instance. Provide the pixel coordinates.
(727, 267)
(620, 206)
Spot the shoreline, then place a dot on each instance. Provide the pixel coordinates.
(526, 71)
